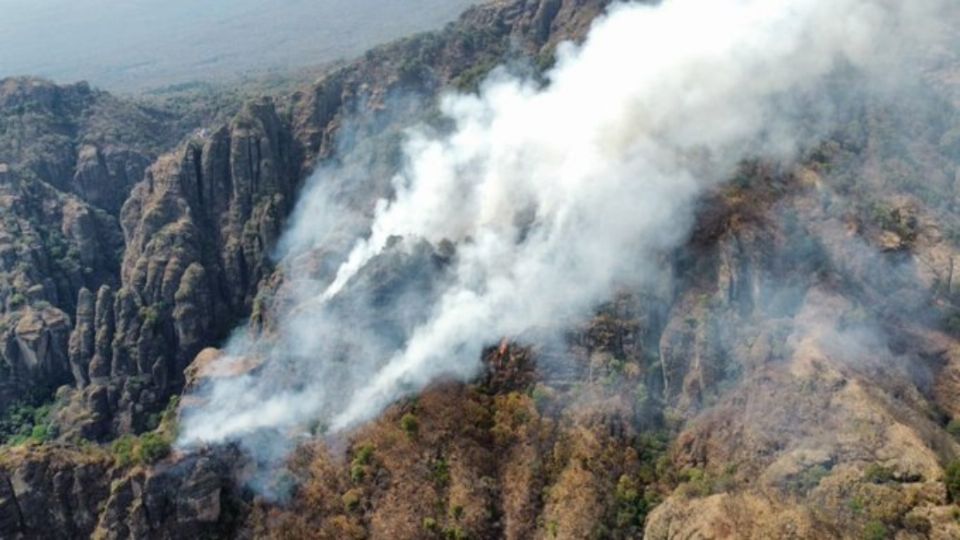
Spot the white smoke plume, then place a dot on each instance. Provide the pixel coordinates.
(553, 196)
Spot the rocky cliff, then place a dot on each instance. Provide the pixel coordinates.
(795, 374)
(200, 228)
(198, 224)
(81, 140)
(52, 245)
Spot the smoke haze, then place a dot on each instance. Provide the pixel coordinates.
(140, 44)
(545, 199)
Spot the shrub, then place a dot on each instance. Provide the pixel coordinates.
(663, 467)
(17, 300)
(916, 523)
(875, 530)
(953, 428)
(150, 316)
(153, 421)
(951, 323)
(952, 480)
(471, 78)
(409, 424)
(546, 59)
(357, 472)
(429, 524)
(632, 506)
(24, 423)
(541, 394)
(166, 422)
(146, 449)
(699, 483)
(153, 447)
(878, 474)
(361, 459)
(40, 433)
(364, 454)
(122, 450)
(441, 472)
(626, 492)
(807, 480)
(511, 412)
(454, 533)
(351, 499)
(695, 483)
(855, 504)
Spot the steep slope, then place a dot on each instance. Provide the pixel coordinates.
(835, 302)
(199, 232)
(200, 229)
(793, 375)
(51, 246)
(804, 358)
(69, 156)
(80, 140)
(802, 361)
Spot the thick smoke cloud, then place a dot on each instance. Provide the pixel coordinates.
(543, 200)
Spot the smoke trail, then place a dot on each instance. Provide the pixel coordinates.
(551, 197)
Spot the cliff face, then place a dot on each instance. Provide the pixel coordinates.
(59, 492)
(197, 230)
(829, 293)
(200, 228)
(80, 140)
(799, 359)
(51, 246)
(795, 375)
(69, 156)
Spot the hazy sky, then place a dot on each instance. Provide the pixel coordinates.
(130, 44)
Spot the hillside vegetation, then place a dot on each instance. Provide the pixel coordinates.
(795, 374)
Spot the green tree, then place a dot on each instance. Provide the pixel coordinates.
(952, 480)
(409, 424)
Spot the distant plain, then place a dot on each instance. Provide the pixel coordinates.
(136, 45)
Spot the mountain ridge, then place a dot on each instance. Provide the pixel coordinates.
(793, 375)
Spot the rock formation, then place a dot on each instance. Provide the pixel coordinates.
(794, 375)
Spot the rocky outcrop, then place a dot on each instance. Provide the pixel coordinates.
(802, 356)
(57, 492)
(81, 140)
(200, 228)
(198, 232)
(40, 338)
(104, 176)
(824, 420)
(69, 156)
(52, 493)
(51, 246)
(193, 497)
(801, 353)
